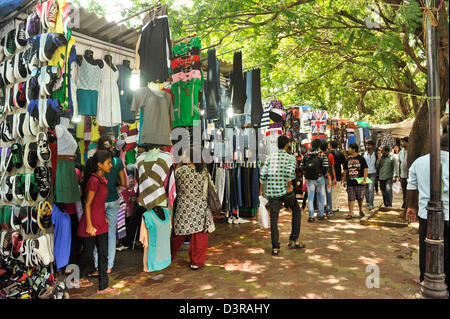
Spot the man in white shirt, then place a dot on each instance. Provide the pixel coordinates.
(401, 168)
(371, 158)
(418, 198)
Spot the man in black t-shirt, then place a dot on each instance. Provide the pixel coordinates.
(339, 160)
(355, 166)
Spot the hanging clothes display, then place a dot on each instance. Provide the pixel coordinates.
(154, 48)
(305, 126)
(126, 94)
(265, 119)
(319, 121)
(188, 82)
(155, 106)
(155, 237)
(212, 86)
(238, 95)
(108, 106)
(256, 102)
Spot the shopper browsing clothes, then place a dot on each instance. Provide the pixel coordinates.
(192, 215)
(355, 167)
(386, 165)
(112, 201)
(401, 168)
(278, 173)
(93, 227)
(315, 166)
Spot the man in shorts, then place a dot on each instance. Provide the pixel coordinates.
(355, 167)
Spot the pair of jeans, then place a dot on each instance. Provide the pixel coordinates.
(211, 85)
(329, 196)
(111, 208)
(255, 187)
(245, 187)
(99, 242)
(370, 194)
(313, 185)
(386, 190)
(423, 225)
(290, 201)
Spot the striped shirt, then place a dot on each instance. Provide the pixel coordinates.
(278, 170)
(152, 176)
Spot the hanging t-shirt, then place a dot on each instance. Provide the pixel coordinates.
(186, 108)
(63, 236)
(156, 108)
(355, 168)
(158, 256)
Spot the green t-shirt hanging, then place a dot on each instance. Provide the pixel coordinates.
(186, 105)
(183, 47)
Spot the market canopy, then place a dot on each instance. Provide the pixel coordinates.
(397, 129)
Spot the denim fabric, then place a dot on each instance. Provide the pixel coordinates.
(275, 206)
(329, 197)
(112, 208)
(313, 185)
(255, 187)
(244, 187)
(386, 190)
(248, 104)
(238, 185)
(370, 190)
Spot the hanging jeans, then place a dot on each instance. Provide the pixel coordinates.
(386, 190)
(212, 89)
(198, 247)
(313, 185)
(238, 85)
(112, 208)
(248, 103)
(255, 187)
(290, 201)
(257, 108)
(370, 194)
(86, 265)
(244, 187)
(238, 184)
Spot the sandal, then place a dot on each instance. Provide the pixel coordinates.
(275, 252)
(195, 267)
(109, 290)
(349, 217)
(84, 283)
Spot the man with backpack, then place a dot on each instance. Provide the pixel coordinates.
(339, 161)
(315, 166)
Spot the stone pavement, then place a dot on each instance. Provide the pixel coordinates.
(240, 265)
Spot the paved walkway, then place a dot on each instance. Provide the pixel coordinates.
(240, 265)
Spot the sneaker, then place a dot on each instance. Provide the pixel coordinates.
(121, 247)
(20, 69)
(9, 47)
(51, 14)
(50, 43)
(9, 71)
(43, 180)
(33, 26)
(230, 220)
(2, 52)
(20, 37)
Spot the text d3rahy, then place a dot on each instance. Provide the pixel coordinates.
(244, 308)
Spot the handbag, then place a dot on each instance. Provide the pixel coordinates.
(213, 199)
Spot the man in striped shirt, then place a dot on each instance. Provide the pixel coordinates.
(277, 173)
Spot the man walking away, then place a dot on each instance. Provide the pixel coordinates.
(386, 165)
(401, 168)
(371, 159)
(355, 167)
(339, 160)
(418, 198)
(315, 168)
(279, 172)
(331, 171)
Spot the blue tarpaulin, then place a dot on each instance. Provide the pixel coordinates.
(8, 6)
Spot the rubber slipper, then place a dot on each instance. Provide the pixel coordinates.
(109, 290)
(84, 283)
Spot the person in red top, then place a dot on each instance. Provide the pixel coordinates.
(323, 148)
(93, 227)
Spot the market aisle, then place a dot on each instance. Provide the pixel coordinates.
(239, 264)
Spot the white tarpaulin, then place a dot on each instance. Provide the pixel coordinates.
(398, 130)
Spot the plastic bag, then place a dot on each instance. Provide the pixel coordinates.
(397, 187)
(263, 216)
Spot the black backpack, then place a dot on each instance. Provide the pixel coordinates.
(313, 166)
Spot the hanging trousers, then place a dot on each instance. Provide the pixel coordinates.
(238, 84)
(87, 260)
(257, 108)
(197, 248)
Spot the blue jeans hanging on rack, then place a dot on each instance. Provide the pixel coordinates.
(255, 187)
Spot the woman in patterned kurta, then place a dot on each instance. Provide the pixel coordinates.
(192, 215)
